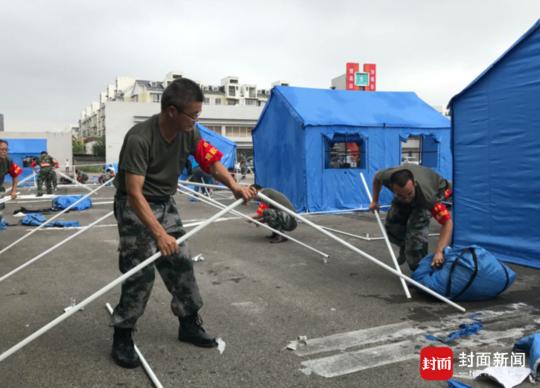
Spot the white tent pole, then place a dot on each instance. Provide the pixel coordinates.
(53, 218)
(144, 363)
(208, 185)
(219, 205)
(346, 233)
(22, 180)
(74, 181)
(383, 230)
(369, 257)
(111, 285)
(53, 247)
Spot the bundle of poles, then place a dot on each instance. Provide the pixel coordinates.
(224, 209)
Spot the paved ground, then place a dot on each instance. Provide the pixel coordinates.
(258, 297)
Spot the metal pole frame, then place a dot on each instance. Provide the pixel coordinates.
(367, 256)
(112, 284)
(219, 205)
(58, 245)
(53, 218)
(383, 230)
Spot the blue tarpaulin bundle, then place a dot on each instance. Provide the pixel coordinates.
(36, 219)
(2, 224)
(531, 346)
(471, 273)
(63, 201)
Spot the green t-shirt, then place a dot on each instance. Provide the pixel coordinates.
(145, 152)
(278, 197)
(430, 186)
(4, 169)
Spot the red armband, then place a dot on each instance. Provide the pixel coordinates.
(440, 213)
(14, 170)
(262, 207)
(206, 155)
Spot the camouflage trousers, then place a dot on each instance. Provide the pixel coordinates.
(136, 245)
(408, 227)
(279, 220)
(49, 178)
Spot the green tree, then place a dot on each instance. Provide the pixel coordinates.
(99, 148)
(77, 146)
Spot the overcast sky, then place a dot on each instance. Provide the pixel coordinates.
(56, 56)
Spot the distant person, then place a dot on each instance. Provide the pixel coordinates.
(199, 176)
(273, 217)
(107, 175)
(418, 195)
(243, 169)
(81, 176)
(46, 164)
(7, 166)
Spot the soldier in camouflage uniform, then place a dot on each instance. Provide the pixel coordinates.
(152, 157)
(46, 164)
(7, 166)
(275, 218)
(418, 195)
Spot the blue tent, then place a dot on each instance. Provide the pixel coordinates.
(302, 132)
(496, 145)
(22, 148)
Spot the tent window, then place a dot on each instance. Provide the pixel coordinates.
(343, 152)
(411, 150)
(420, 150)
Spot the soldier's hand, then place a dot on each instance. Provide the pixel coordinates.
(246, 193)
(374, 206)
(438, 259)
(167, 245)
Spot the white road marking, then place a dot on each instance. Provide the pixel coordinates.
(398, 342)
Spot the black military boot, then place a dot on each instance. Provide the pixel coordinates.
(123, 351)
(191, 331)
(273, 235)
(278, 239)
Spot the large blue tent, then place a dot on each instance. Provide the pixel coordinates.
(299, 130)
(496, 146)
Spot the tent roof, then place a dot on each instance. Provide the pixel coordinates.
(523, 38)
(319, 107)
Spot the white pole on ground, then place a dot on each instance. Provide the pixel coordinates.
(346, 233)
(383, 230)
(369, 257)
(53, 218)
(219, 205)
(112, 284)
(144, 363)
(53, 247)
(74, 181)
(22, 180)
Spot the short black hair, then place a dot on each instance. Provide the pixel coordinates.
(4, 141)
(401, 178)
(256, 186)
(180, 93)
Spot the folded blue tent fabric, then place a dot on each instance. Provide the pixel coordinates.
(36, 219)
(471, 273)
(465, 330)
(457, 384)
(63, 201)
(2, 224)
(530, 345)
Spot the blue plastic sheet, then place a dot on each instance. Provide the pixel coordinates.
(530, 345)
(462, 277)
(452, 383)
(290, 142)
(495, 140)
(2, 224)
(465, 330)
(64, 201)
(36, 219)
